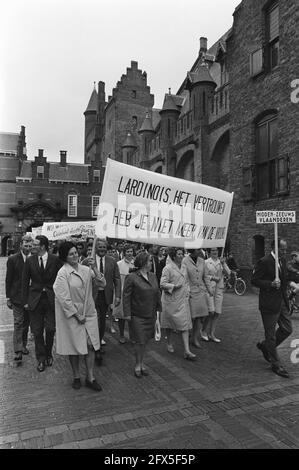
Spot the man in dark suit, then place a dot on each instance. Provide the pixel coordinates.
(13, 284)
(104, 296)
(39, 274)
(273, 305)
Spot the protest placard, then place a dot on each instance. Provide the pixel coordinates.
(148, 207)
(64, 230)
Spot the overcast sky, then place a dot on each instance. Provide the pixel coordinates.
(51, 52)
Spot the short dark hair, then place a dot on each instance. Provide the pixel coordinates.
(43, 241)
(141, 259)
(80, 244)
(279, 241)
(64, 250)
(127, 247)
(173, 251)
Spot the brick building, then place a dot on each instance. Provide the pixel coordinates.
(33, 192)
(231, 124)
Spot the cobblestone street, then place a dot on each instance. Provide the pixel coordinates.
(229, 398)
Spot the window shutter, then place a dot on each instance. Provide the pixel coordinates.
(256, 62)
(249, 183)
(283, 175)
(273, 19)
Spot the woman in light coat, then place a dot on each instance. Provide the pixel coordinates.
(77, 331)
(200, 289)
(215, 268)
(175, 301)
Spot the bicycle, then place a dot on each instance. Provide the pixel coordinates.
(238, 284)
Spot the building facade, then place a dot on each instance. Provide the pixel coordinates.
(232, 123)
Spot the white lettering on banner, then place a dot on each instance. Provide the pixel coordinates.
(151, 207)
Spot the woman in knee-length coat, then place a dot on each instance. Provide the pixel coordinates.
(77, 331)
(175, 300)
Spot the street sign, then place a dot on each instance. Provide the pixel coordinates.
(276, 217)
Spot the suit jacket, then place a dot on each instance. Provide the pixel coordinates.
(270, 299)
(112, 277)
(13, 280)
(34, 282)
(141, 298)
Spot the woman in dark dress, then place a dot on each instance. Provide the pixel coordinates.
(141, 301)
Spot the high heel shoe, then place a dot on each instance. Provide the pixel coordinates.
(189, 356)
(137, 373)
(204, 336)
(214, 339)
(144, 372)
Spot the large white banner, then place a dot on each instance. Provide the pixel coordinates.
(148, 207)
(63, 230)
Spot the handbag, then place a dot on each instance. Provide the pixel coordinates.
(157, 328)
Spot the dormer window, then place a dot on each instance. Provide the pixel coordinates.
(40, 172)
(224, 73)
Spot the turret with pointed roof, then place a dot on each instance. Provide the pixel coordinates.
(90, 125)
(128, 148)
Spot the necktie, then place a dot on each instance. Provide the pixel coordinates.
(101, 266)
(42, 265)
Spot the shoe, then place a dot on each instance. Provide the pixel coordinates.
(279, 370)
(25, 351)
(214, 339)
(138, 373)
(112, 330)
(262, 348)
(49, 361)
(18, 358)
(76, 384)
(170, 348)
(122, 340)
(204, 336)
(41, 367)
(103, 342)
(196, 344)
(190, 356)
(93, 385)
(144, 372)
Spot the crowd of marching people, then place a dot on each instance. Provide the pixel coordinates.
(71, 289)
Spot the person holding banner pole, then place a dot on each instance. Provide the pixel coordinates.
(104, 296)
(76, 315)
(141, 302)
(175, 301)
(270, 276)
(124, 266)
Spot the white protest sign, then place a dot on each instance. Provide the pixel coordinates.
(272, 217)
(63, 230)
(148, 207)
(36, 231)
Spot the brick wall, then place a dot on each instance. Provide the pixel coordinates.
(248, 98)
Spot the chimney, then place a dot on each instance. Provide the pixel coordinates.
(63, 157)
(40, 152)
(203, 44)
